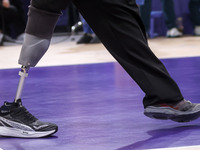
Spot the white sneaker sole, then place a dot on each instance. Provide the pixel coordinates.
(13, 132)
(14, 129)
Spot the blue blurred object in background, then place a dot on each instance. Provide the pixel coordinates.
(140, 2)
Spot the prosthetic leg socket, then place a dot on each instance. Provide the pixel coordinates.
(32, 50)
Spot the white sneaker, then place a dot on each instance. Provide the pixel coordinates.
(174, 33)
(197, 30)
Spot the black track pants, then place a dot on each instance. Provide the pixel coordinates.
(119, 27)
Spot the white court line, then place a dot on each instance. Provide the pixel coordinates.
(197, 147)
(1, 149)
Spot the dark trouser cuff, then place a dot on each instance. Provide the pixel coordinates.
(41, 23)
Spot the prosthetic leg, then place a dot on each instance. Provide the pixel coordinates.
(39, 31)
(15, 119)
(32, 51)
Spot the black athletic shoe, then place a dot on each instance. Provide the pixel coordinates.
(95, 40)
(85, 39)
(183, 111)
(16, 121)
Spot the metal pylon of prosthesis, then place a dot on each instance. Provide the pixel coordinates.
(23, 74)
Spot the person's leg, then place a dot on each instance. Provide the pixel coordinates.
(145, 13)
(119, 27)
(194, 6)
(42, 18)
(170, 18)
(169, 13)
(15, 120)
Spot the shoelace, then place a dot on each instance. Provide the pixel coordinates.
(23, 115)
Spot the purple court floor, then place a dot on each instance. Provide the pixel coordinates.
(99, 107)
